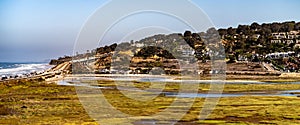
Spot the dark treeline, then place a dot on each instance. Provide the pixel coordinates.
(257, 38)
(106, 49)
(264, 29)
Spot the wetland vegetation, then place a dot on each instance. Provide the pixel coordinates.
(48, 103)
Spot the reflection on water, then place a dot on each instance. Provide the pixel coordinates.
(292, 91)
(77, 82)
(155, 122)
(200, 95)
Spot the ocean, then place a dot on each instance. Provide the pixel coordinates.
(12, 69)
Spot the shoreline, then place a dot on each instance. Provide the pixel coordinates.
(53, 76)
(284, 77)
(63, 70)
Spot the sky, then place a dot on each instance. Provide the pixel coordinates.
(38, 30)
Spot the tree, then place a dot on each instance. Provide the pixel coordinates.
(222, 32)
(254, 26)
(243, 29)
(287, 26)
(231, 31)
(187, 34)
(297, 26)
(275, 27)
(255, 59)
(231, 58)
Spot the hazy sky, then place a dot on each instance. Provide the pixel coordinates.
(36, 30)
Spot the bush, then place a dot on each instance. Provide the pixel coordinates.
(6, 111)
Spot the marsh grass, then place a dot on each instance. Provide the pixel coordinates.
(40, 103)
(35, 103)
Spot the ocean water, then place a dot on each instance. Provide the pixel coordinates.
(12, 69)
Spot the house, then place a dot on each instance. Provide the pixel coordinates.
(281, 35)
(285, 37)
(276, 41)
(278, 55)
(139, 45)
(186, 50)
(292, 35)
(256, 36)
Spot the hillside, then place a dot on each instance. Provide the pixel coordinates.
(248, 48)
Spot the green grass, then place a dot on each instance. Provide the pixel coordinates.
(211, 122)
(36, 103)
(41, 103)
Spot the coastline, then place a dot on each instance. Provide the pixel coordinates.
(46, 102)
(52, 76)
(54, 73)
(283, 76)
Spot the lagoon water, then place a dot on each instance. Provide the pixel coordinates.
(77, 82)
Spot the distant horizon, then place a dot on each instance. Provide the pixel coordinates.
(260, 23)
(48, 60)
(35, 31)
(26, 62)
